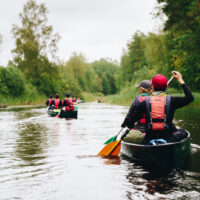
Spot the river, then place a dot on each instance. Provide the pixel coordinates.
(50, 158)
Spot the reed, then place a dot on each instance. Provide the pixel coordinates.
(89, 97)
(127, 95)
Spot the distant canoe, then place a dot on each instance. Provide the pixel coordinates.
(3, 106)
(69, 114)
(53, 113)
(63, 114)
(165, 155)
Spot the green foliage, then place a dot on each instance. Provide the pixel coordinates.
(12, 82)
(106, 71)
(35, 41)
(183, 30)
(177, 48)
(77, 65)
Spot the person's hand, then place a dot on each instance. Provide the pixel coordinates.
(178, 77)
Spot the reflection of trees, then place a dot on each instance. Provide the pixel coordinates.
(31, 141)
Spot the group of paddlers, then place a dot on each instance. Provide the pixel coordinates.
(57, 103)
(152, 111)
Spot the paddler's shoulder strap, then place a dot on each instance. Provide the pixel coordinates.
(167, 107)
(148, 112)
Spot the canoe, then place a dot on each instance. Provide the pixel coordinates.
(165, 155)
(53, 113)
(63, 114)
(69, 114)
(3, 105)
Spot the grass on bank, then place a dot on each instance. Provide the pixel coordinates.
(128, 94)
(89, 97)
(24, 100)
(37, 99)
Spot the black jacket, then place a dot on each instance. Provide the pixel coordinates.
(176, 102)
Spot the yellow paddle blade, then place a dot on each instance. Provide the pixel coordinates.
(109, 148)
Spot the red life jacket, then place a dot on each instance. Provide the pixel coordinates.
(50, 100)
(57, 103)
(69, 105)
(139, 99)
(158, 109)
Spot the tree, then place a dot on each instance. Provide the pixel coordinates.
(35, 41)
(12, 82)
(78, 64)
(107, 72)
(183, 30)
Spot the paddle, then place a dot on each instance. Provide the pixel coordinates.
(57, 116)
(168, 82)
(113, 148)
(115, 137)
(112, 139)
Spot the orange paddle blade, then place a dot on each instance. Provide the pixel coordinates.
(109, 148)
(116, 151)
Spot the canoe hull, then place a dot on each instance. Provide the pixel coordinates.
(64, 114)
(69, 114)
(166, 155)
(52, 113)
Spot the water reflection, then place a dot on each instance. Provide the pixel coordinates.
(56, 158)
(155, 183)
(31, 142)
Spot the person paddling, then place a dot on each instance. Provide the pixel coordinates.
(159, 109)
(68, 103)
(48, 102)
(57, 103)
(145, 89)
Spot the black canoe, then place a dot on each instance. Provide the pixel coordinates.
(165, 155)
(63, 114)
(69, 114)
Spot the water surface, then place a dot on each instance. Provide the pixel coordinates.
(50, 158)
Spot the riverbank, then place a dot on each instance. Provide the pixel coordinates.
(125, 98)
(90, 97)
(40, 100)
(127, 95)
(24, 100)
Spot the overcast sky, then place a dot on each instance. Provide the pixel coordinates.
(95, 28)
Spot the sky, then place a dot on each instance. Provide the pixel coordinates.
(96, 28)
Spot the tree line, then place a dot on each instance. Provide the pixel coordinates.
(35, 69)
(175, 47)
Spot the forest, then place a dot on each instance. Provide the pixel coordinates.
(35, 71)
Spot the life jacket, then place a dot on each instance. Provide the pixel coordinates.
(57, 103)
(69, 105)
(49, 101)
(158, 109)
(139, 99)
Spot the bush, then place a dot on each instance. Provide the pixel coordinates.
(12, 82)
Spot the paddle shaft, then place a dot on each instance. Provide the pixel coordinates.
(169, 81)
(120, 131)
(109, 148)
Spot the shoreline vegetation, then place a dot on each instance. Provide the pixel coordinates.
(126, 97)
(123, 98)
(33, 75)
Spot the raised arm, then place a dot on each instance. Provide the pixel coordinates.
(188, 98)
